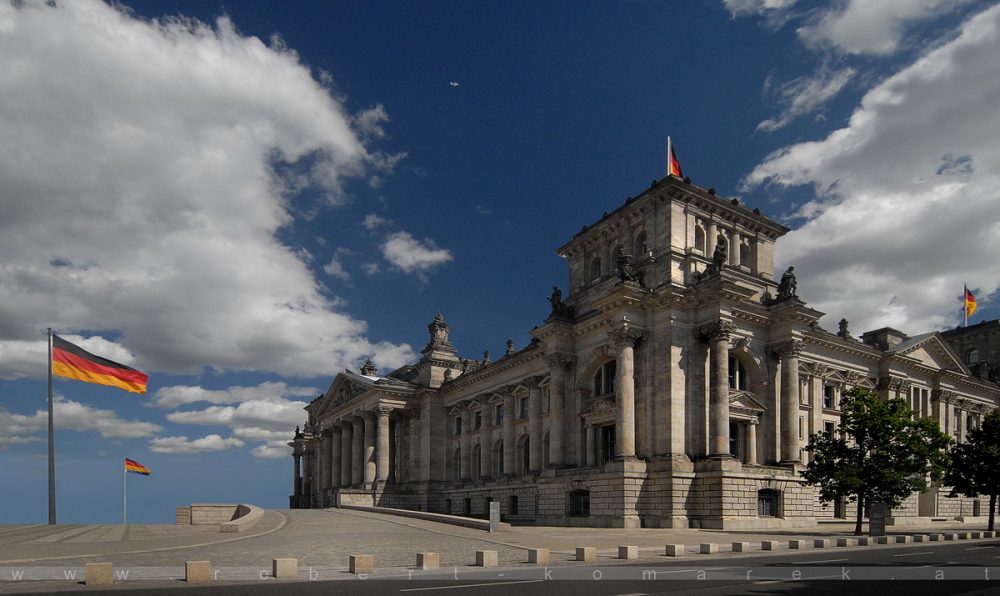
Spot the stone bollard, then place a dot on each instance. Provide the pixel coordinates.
(963, 535)
(359, 564)
(865, 541)
(197, 571)
(821, 543)
(975, 535)
(587, 554)
(708, 548)
(883, 539)
(845, 542)
(674, 550)
(486, 558)
(98, 574)
(538, 556)
(427, 561)
(989, 534)
(904, 539)
(796, 544)
(920, 538)
(768, 545)
(629, 553)
(284, 567)
(741, 547)
(936, 537)
(950, 536)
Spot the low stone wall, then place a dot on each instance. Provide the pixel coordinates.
(455, 520)
(229, 517)
(182, 516)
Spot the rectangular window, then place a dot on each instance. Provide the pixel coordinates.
(499, 414)
(828, 394)
(525, 404)
(801, 422)
(458, 425)
(828, 428)
(608, 442)
(479, 420)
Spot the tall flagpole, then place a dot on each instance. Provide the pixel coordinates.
(669, 153)
(124, 494)
(52, 449)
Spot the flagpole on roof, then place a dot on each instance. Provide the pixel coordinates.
(52, 449)
(965, 303)
(669, 153)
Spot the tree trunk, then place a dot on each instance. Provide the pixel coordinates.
(993, 504)
(861, 515)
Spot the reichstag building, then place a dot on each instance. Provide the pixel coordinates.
(675, 384)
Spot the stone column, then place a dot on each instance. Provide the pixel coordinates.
(752, 441)
(346, 459)
(297, 480)
(557, 392)
(426, 439)
(369, 458)
(717, 335)
(402, 430)
(734, 248)
(335, 455)
(465, 441)
(961, 421)
(712, 237)
(358, 452)
(324, 460)
(382, 445)
(535, 428)
(413, 446)
(307, 476)
(789, 353)
(509, 452)
(485, 443)
(590, 443)
(624, 338)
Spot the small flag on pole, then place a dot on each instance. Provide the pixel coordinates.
(970, 303)
(73, 362)
(135, 467)
(673, 166)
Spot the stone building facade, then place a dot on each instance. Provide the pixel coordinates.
(675, 385)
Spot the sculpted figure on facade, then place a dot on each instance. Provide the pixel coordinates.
(788, 287)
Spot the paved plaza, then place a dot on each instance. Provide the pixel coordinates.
(322, 541)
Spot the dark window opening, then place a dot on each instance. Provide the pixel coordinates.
(579, 503)
(608, 442)
(512, 505)
(604, 379)
(768, 503)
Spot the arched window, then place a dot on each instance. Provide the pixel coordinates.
(972, 356)
(523, 455)
(456, 464)
(699, 237)
(475, 462)
(595, 270)
(640, 249)
(545, 450)
(498, 459)
(768, 503)
(745, 252)
(737, 374)
(604, 379)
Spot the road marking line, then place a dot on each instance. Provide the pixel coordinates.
(929, 552)
(527, 581)
(979, 547)
(823, 561)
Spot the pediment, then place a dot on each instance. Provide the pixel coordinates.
(932, 351)
(342, 390)
(745, 401)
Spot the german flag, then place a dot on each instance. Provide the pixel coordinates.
(673, 166)
(970, 303)
(133, 466)
(73, 362)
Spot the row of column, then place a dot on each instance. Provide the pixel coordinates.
(352, 453)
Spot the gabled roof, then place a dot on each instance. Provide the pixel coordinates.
(932, 350)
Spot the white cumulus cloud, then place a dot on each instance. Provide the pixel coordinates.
(183, 445)
(906, 194)
(410, 255)
(141, 199)
(70, 415)
(805, 95)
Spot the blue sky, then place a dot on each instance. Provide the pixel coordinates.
(243, 199)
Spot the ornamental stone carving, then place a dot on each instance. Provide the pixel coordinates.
(556, 359)
(792, 348)
(625, 333)
(717, 330)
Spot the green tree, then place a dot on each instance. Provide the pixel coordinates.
(975, 464)
(879, 454)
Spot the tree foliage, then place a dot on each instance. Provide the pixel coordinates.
(879, 454)
(975, 464)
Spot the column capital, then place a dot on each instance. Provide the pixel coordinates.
(791, 348)
(625, 333)
(716, 331)
(383, 411)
